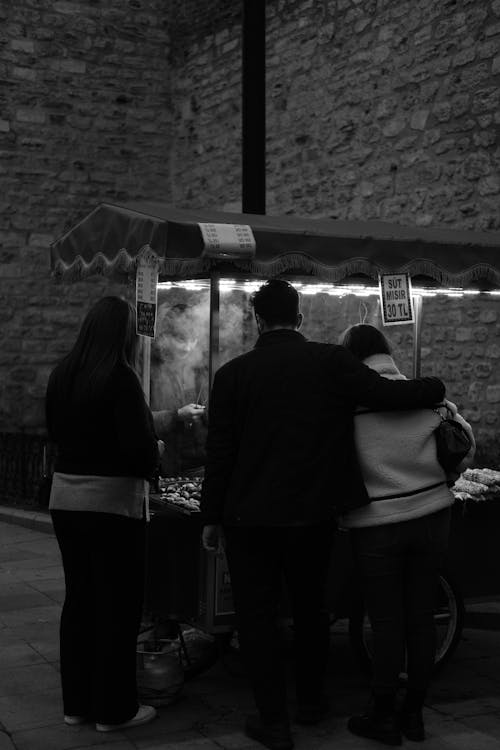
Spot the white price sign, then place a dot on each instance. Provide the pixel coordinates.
(396, 298)
(146, 293)
(228, 240)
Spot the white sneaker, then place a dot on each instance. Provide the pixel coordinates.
(72, 721)
(143, 715)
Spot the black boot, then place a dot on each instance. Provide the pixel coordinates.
(274, 735)
(410, 719)
(379, 722)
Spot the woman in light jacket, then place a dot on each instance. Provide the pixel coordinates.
(399, 541)
(106, 447)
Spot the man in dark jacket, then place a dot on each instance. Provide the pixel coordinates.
(281, 465)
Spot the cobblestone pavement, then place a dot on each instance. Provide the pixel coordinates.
(463, 710)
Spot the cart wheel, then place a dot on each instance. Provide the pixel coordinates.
(449, 619)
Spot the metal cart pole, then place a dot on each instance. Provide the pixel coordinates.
(214, 320)
(417, 334)
(146, 367)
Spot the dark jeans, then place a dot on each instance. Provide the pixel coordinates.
(103, 560)
(261, 560)
(399, 565)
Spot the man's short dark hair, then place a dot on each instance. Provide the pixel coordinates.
(277, 303)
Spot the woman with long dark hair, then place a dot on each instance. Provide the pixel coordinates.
(399, 542)
(106, 447)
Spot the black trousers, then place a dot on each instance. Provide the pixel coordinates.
(103, 558)
(399, 565)
(261, 560)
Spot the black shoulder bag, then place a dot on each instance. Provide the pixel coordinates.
(452, 441)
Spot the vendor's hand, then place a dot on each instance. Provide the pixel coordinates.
(190, 412)
(212, 538)
(161, 447)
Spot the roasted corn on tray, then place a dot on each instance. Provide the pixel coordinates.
(183, 492)
(477, 485)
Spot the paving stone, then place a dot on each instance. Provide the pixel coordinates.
(20, 596)
(47, 647)
(7, 576)
(43, 545)
(25, 561)
(32, 616)
(473, 707)
(37, 522)
(52, 589)
(6, 742)
(8, 637)
(16, 555)
(228, 732)
(182, 741)
(339, 738)
(48, 572)
(12, 533)
(17, 654)
(234, 741)
(42, 631)
(27, 711)
(461, 740)
(488, 724)
(25, 680)
(61, 737)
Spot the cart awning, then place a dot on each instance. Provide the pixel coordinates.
(109, 240)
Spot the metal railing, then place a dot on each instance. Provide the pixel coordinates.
(25, 463)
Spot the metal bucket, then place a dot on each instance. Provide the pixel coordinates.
(160, 675)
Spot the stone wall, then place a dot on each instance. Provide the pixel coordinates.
(375, 109)
(85, 117)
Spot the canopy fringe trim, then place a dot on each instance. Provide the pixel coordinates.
(183, 267)
(478, 272)
(124, 264)
(100, 265)
(300, 263)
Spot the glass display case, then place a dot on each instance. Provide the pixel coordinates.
(455, 339)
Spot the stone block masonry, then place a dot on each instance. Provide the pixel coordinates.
(85, 117)
(374, 110)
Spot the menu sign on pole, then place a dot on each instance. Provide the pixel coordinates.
(228, 240)
(146, 293)
(396, 298)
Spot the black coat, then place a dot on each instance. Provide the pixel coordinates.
(111, 436)
(280, 445)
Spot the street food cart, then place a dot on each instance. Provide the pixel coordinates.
(204, 287)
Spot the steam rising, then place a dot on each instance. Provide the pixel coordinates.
(180, 352)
